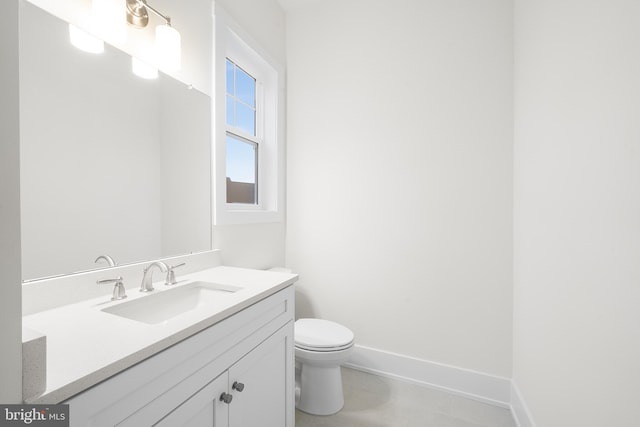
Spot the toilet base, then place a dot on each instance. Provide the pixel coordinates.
(320, 390)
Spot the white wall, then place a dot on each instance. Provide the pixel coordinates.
(400, 174)
(10, 275)
(577, 211)
(263, 20)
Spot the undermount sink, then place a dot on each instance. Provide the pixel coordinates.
(162, 306)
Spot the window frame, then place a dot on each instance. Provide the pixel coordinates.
(234, 43)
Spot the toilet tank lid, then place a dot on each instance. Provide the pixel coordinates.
(320, 333)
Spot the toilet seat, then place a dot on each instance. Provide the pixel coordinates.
(322, 335)
(323, 349)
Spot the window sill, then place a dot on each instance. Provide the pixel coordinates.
(242, 216)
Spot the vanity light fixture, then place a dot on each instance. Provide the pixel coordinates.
(168, 50)
(108, 18)
(85, 41)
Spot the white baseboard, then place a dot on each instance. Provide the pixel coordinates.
(519, 408)
(486, 388)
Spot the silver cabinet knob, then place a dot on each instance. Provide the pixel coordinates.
(226, 398)
(238, 386)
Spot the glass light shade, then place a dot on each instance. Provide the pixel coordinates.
(85, 41)
(110, 19)
(168, 48)
(142, 69)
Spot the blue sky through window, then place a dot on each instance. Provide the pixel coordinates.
(241, 160)
(241, 99)
(245, 88)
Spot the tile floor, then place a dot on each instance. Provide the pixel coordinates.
(374, 401)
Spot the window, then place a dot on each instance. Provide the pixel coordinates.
(242, 141)
(248, 155)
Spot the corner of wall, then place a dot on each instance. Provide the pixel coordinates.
(519, 408)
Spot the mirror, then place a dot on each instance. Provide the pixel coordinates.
(111, 164)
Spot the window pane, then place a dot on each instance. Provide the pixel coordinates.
(230, 114)
(241, 171)
(241, 98)
(245, 88)
(230, 79)
(245, 118)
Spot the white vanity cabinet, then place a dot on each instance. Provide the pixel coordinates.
(253, 392)
(236, 373)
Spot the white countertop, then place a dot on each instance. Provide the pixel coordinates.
(86, 345)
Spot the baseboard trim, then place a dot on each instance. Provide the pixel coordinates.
(519, 408)
(479, 386)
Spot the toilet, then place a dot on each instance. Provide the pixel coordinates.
(321, 347)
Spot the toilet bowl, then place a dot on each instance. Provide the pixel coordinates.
(321, 347)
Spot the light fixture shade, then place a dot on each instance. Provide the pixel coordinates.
(168, 48)
(110, 19)
(85, 41)
(142, 69)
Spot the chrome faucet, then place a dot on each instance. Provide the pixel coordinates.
(147, 284)
(107, 258)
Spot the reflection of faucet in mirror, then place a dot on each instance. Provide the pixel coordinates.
(118, 290)
(107, 258)
(147, 284)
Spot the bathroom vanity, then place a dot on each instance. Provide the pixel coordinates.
(237, 372)
(216, 349)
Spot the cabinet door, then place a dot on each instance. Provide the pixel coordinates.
(266, 378)
(203, 409)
